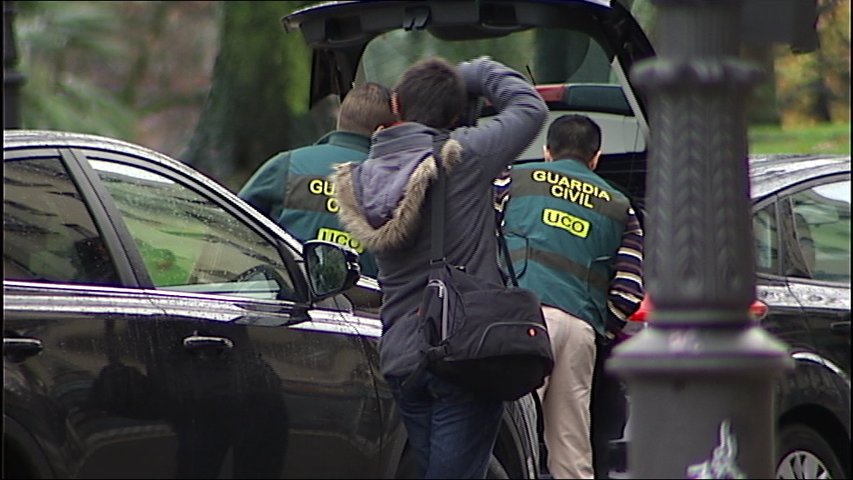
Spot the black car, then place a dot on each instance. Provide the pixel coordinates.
(801, 227)
(579, 53)
(157, 326)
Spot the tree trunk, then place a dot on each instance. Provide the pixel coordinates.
(258, 92)
(153, 22)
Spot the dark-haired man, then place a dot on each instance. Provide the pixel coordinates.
(578, 244)
(291, 188)
(451, 430)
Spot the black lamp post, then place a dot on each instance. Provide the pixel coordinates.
(701, 377)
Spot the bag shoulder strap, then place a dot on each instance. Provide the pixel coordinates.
(437, 198)
(505, 250)
(437, 257)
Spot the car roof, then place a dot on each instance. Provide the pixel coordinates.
(770, 173)
(17, 138)
(23, 138)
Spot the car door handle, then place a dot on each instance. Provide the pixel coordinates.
(20, 348)
(841, 328)
(201, 343)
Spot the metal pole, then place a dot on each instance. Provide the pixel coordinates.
(12, 80)
(701, 376)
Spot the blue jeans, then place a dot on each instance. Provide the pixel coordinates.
(451, 431)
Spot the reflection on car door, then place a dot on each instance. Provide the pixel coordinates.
(249, 393)
(820, 226)
(67, 378)
(784, 318)
(99, 400)
(254, 383)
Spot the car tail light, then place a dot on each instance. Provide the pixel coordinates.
(637, 321)
(551, 93)
(642, 312)
(758, 310)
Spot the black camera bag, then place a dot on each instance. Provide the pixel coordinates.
(484, 336)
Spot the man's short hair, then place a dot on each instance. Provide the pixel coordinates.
(431, 92)
(365, 108)
(574, 136)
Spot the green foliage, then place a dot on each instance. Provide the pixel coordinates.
(646, 15)
(257, 96)
(52, 39)
(800, 88)
(141, 70)
(254, 33)
(52, 28)
(822, 138)
(814, 87)
(74, 105)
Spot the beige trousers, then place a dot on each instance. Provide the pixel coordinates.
(566, 395)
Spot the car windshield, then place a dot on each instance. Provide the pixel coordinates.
(581, 76)
(545, 55)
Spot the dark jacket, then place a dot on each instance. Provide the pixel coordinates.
(292, 189)
(382, 199)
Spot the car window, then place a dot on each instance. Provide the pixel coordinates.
(582, 76)
(564, 57)
(48, 232)
(766, 240)
(822, 230)
(190, 243)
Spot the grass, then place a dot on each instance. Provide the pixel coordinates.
(821, 138)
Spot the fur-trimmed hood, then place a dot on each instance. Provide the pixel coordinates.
(381, 199)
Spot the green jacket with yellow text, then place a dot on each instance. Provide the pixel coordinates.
(564, 226)
(292, 189)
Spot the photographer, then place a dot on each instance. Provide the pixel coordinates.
(381, 200)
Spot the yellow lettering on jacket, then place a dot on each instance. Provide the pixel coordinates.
(341, 238)
(571, 189)
(327, 189)
(332, 205)
(321, 187)
(576, 196)
(570, 223)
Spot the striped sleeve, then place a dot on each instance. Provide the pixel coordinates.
(626, 286)
(501, 186)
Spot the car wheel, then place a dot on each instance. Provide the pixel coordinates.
(803, 453)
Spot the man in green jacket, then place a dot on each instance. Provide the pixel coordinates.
(575, 241)
(291, 188)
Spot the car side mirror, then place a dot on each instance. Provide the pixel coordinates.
(331, 268)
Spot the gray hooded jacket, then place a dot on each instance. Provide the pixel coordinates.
(382, 199)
